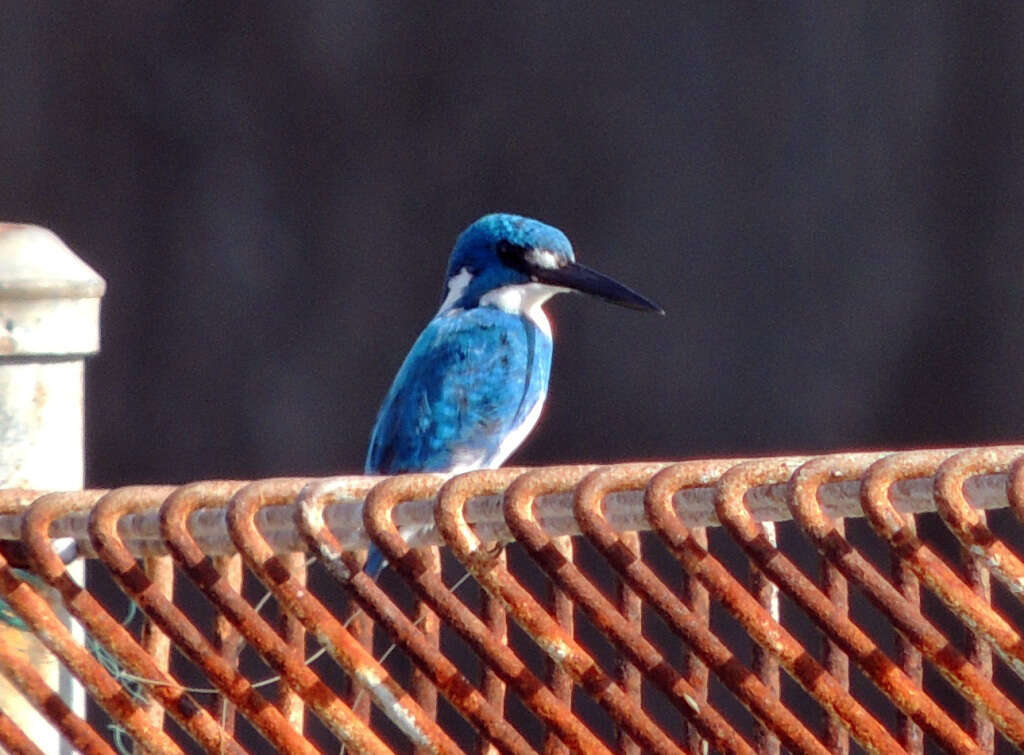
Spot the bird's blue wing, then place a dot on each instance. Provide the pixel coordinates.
(470, 379)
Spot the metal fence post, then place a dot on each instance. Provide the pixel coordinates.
(49, 324)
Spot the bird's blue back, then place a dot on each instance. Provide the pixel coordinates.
(471, 380)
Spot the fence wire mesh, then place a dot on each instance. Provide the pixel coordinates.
(809, 604)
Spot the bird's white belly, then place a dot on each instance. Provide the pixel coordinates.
(518, 434)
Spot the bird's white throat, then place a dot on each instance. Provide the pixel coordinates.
(524, 299)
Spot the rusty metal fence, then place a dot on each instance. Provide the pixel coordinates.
(811, 604)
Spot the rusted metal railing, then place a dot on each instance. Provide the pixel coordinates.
(607, 608)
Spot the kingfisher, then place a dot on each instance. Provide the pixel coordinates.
(473, 385)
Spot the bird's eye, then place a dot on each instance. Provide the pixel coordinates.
(511, 254)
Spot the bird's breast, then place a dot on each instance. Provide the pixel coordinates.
(467, 395)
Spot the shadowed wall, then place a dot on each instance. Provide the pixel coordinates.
(829, 203)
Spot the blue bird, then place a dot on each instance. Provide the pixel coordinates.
(473, 384)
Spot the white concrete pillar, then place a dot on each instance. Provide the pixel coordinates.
(49, 324)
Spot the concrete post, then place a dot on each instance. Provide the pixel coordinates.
(49, 324)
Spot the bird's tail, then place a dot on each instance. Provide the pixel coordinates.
(375, 562)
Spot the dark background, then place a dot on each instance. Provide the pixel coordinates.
(828, 203)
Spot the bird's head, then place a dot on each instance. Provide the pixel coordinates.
(514, 262)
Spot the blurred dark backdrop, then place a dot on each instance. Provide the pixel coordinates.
(828, 202)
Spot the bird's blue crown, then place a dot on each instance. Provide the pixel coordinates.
(496, 251)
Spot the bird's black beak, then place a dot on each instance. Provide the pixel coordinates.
(581, 278)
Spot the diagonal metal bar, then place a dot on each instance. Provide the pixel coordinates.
(281, 656)
(534, 694)
(538, 623)
(17, 667)
(345, 568)
(967, 523)
(905, 615)
(172, 620)
(397, 704)
(107, 691)
(929, 567)
(626, 636)
(736, 518)
(754, 617)
(478, 559)
(905, 692)
(105, 629)
(740, 679)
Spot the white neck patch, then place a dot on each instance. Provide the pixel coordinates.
(456, 287)
(524, 299)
